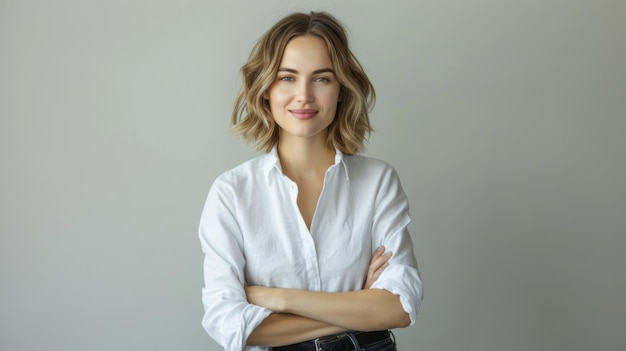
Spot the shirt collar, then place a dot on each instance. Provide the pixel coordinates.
(272, 162)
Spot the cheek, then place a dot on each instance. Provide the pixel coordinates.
(278, 97)
(331, 99)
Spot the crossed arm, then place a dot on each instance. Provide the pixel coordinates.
(302, 315)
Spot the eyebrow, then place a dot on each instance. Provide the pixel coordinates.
(318, 71)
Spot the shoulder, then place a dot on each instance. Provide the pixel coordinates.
(375, 177)
(237, 185)
(359, 166)
(243, 175)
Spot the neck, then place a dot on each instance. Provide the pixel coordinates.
(301, 158)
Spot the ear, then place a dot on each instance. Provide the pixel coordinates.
(265, 95)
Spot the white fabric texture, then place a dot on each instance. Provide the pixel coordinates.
(252, 233)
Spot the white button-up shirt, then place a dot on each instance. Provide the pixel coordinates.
(252, 233)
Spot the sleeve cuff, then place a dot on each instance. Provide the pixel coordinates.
(405, 282)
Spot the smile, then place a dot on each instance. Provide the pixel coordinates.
(303, 113)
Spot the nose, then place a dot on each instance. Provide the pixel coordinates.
(304, 92)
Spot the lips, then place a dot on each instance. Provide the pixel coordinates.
(303, 113)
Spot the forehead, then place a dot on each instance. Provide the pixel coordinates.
(306, 51)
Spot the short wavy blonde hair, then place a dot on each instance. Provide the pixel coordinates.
(251, 117)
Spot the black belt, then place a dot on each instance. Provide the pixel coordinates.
(341, 342)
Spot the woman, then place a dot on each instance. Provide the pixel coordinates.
(295, 239)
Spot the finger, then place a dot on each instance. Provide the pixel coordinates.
(386, 256)
(380, 270)
(372, 276)
(378, 252)
(379, 261)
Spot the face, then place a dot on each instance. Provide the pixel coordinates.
(303, 98)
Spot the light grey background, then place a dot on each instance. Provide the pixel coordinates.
(506, 121)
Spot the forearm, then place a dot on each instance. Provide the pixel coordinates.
(365, 310)
(284, 329)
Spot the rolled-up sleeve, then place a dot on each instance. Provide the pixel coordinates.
(229, 319)
(389, 229)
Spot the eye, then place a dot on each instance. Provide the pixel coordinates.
(286, 79)
(322, 80)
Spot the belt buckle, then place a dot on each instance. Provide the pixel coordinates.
(317, 342)
(318, 346)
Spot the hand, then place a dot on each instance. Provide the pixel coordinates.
(263, 296)
(378, 263)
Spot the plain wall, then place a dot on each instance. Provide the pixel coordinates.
(506, 121)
